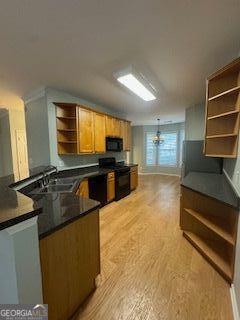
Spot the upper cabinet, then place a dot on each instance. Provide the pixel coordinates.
(66, 128)
(112, 127)
(222, 112)
(82, 130)
(125, 133)
(85, 130)
(109, 126)
(99, 132)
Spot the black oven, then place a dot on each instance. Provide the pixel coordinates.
(114, 144)
(122, 183)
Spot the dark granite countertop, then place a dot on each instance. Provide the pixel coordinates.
(14, 206)
(213, 185)
(60, 209)
(57, 209)
(131, 165)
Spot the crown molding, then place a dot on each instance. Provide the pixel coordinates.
(34, 95)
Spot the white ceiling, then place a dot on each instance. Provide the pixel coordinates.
(77, 45)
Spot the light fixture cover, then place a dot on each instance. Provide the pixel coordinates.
(136, 83)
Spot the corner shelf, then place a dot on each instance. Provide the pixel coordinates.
(67, 130)
(59, 141)
(227, 92)
(223, 112)
(207, 221)
(66, 118)
(205, 248)
(211, 227)
(222, 135)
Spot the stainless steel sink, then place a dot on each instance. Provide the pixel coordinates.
(62, 181)
(59, 188)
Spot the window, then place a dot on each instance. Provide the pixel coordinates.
(168, 153)
(151, 149)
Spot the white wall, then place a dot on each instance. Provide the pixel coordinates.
(42, 131)
(195, 122)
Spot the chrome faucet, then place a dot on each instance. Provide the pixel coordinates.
(46, 175)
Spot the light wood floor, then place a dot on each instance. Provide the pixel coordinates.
(149, 271)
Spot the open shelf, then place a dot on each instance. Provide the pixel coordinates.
(59, 141)
(225, 146)
(212, 225)
(205, 247)
(220, 155)
(68, 118)
(224, 114)
(67, 130)
(227, 92)
(222, 135)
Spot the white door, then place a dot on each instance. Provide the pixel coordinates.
(22, 155)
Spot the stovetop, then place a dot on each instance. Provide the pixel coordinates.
(110, 163)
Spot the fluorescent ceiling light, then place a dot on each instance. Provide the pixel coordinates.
(132, 83)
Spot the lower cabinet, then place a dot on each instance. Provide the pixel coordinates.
(70, 262)
(134, 177)
(211, 227)
(83, 189)
(110, 186)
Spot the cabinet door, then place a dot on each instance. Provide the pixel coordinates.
(99, 132)
(83, 189)
(111, 187)
(85, 130)
(109, 126)
(134, 179)
(128, 136)
(117, 127)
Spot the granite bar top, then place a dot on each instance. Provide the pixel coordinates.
(213, 185)
(60, 209)
(18, 201)
(14, 206)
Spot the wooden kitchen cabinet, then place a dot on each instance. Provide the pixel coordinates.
(83, 189)
(126, 135)
(117, 127)
(111, 186)
(99, 132)
(85, 130)
(134, 177)
(109, 126)
(70, 263)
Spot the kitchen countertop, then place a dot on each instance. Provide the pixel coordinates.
(14, 206)
(55, 210)
(213, 185)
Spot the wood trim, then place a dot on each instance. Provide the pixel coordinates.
(233, 64)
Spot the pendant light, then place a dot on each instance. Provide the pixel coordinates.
(158, 139)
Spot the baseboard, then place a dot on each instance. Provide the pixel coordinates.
(234, 303)
(159, 173)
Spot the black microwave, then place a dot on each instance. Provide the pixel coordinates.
(114, 144)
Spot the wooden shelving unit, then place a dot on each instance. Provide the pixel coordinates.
(66, 118)
(211, 227)
(222, 112)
